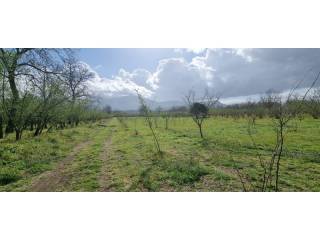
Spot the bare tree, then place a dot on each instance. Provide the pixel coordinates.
(145, 110)
(281, 114)
(166, 117)
(75, 75)
(199, 108)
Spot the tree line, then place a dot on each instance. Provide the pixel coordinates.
(43, 89)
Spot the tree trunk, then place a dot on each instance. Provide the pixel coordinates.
(1, 127)
(15, 96)
(37, 132)
(154, 137)
(9, 127)
(13, 86)
(200, 130)
(279, 158)
(18, 134)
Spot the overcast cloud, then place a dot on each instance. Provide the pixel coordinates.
(231, 72)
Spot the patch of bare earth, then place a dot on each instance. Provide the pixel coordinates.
(104, 178)
(58, 178)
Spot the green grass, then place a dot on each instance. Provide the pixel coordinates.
(23, 160)
(136, 167)
(185, 172)
(188, 163)
(8, 175)
(86, 167)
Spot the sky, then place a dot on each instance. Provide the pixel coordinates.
(108, 61)
(167, 74)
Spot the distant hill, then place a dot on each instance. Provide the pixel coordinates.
(131, 103)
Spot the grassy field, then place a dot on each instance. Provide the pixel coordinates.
(112, 156)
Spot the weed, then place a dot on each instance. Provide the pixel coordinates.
(186, 172)
(8, 175)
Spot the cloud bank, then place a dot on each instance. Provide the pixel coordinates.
(231, 72)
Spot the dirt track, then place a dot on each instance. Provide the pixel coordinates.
(59, 177)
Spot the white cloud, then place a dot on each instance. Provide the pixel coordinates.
(232, 72)
(174, 77)
(256, 97)
(123, 84)
(240, 72)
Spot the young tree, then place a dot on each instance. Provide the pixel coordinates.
(146, 112)
(281, 115)
(166, 116)
(199, 108)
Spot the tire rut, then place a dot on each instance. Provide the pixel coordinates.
(104, 179)
(59, 177)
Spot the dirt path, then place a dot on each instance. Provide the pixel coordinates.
(59, 177)
(104, 178)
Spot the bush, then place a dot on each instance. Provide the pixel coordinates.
(8, 175)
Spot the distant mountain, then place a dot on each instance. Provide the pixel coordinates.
(127, 103)
(131, 103)
(219, 105)
(169, 104)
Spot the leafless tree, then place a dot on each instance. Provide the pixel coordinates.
(75, 75)
(166, 117)
(281, 116)
(145, 110)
